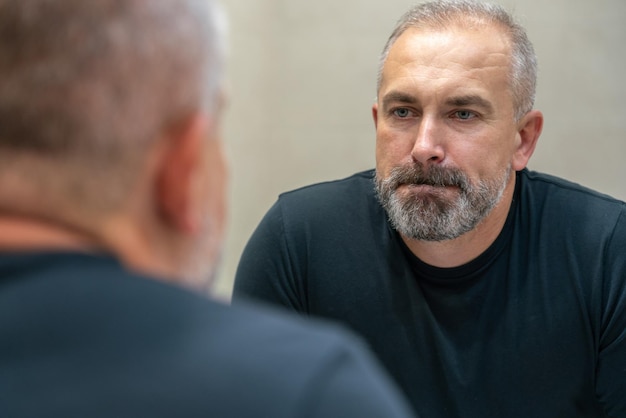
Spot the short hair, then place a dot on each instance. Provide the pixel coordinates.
(90, 83)
(446, 13)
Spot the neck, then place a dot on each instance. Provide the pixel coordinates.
(26, 234)
(461, 250)
(21, 233)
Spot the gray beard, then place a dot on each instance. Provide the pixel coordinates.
(434, 217)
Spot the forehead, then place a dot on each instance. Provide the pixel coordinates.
(454, 57)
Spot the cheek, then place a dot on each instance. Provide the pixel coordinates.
(484, 163)
(391, 150)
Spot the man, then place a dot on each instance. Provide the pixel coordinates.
(111, 200)
(486, 289)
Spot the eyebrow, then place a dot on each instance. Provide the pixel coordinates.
(457, 101)
(470, 100)
(398, 97)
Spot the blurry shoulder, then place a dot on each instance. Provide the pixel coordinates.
(252, 326)
(265, 326)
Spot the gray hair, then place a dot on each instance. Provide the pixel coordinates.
(88, 84)
(445, 13)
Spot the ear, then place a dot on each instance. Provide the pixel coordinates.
(528, 131)
(178, 173)
(375, 114)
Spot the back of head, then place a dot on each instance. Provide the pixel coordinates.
(443, 14)
(87, 86)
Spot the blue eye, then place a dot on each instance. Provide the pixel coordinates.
(402, 112)
(464, 114)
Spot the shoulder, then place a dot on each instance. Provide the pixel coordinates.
(318, 367)
(279, 355)
(569, 199)
(565, 188)
(351, 200)
(227, 361)
(265, 326)
(358, 184)
(303, 345)
(304, 364)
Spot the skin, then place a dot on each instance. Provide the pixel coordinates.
(445, 100)
(163, 229)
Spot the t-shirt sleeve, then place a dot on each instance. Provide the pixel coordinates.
(266, 269)
(611, 369)
(352, 384)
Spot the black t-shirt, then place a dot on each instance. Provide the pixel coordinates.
(82, 337)
(533, 327)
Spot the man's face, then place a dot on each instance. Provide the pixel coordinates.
(445, 130)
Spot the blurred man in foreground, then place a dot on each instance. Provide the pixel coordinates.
(111, 200)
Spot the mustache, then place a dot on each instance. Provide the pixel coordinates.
(435, 176)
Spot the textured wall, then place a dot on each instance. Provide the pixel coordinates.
(302, 82)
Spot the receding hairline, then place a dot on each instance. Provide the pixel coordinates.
(441, 14)
(460, 23)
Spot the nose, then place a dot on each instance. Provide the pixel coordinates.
(428, 146)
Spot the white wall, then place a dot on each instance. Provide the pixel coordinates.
(302, 80)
